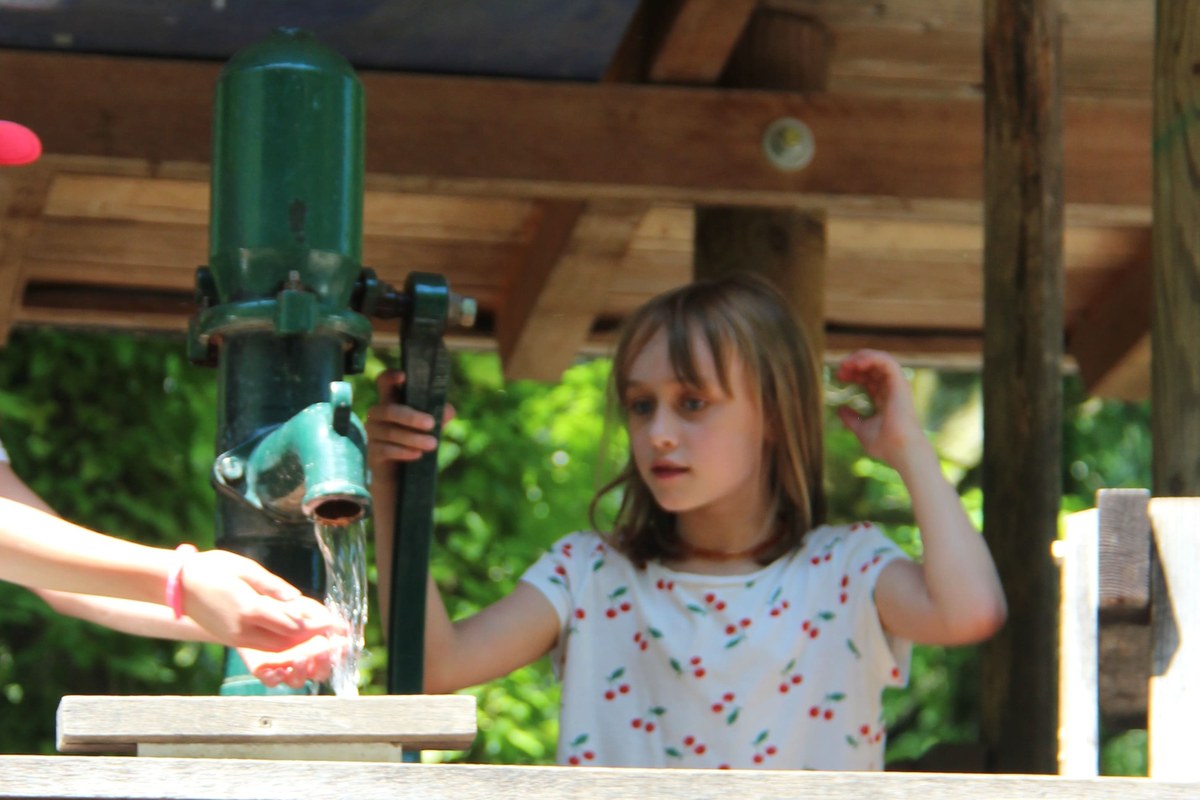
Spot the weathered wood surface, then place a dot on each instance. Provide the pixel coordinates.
(1079, 668)
(1022, 381)
(1124, 553)
(587, 141)
(419, 721)
(1175, 637)
(81, 777)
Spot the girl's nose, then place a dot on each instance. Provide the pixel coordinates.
(664, 432)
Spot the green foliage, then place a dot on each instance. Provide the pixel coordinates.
(116, 433)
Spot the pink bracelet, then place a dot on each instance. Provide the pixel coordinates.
(175, 579)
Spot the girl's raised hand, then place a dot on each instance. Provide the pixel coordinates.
(397, 432)
(894, 426)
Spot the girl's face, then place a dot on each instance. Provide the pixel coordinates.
(697, 448)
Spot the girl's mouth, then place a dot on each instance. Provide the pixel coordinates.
(664, 471)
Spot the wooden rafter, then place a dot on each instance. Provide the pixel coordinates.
(698, 40)
(583, 141)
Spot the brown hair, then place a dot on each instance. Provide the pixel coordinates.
(743, 314)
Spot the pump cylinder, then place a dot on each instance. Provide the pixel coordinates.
(285, 242)
(287, 171)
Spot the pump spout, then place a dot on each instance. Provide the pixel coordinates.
(309, 468)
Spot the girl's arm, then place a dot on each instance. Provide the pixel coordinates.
(510, 633)
(235, 600)
(954, 595)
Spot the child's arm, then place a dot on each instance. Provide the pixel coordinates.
(954, 596)
(232, 598)
(512, 632)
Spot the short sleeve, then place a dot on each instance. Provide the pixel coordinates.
(870, 550)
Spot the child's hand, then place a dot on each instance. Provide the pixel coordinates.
(242, 604)
(398, 432)
(893, 427)
(310, 660)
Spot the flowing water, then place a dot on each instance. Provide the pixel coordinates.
(345, 550)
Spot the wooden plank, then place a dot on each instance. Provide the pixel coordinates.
(1175, 625)
(421, 721)
(1078, 553)
(510, 137)
(323, 751)
(562, 286)
(81, 777)
(699, 39)
(1125, 545)
(1022, 380)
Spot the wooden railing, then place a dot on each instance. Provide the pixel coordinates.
(1130, 618)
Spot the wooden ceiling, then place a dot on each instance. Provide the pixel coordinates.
(560, 204)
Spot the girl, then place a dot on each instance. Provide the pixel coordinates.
(722, 623)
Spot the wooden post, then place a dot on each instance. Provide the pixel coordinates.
(1079, 674)
(1175, 378)
(1175, 640)
(777, 51)
(1023, 190)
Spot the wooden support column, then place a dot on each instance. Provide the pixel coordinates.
(787, 245)
(1023, 214)
(1175, 380)
(1175, 329)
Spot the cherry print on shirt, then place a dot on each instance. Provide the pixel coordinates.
(689, 743)
(737, 632)
(826, 552)
(578, 754)
(875, 558)
(824, 710)
(763, 749)
(615, 685)
(810, 626)
(726, 702)
(778, 606)
(647, 722)
(695, 667)
(616, 605)
(866, 735)
(664, 585)
(642, 638)
(790, 679)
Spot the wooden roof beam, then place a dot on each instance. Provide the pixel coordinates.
(585, 141)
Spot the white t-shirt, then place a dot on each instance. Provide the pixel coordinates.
(779, 669)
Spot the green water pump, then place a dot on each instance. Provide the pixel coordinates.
(284, 304)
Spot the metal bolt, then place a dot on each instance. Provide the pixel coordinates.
(789, 144)
(231, 468)
(463, 311)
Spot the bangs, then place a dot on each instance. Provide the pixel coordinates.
(683, 325)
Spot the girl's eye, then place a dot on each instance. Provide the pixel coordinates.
(693, 403)
(640, 406)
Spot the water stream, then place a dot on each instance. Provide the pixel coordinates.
(345, 550)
